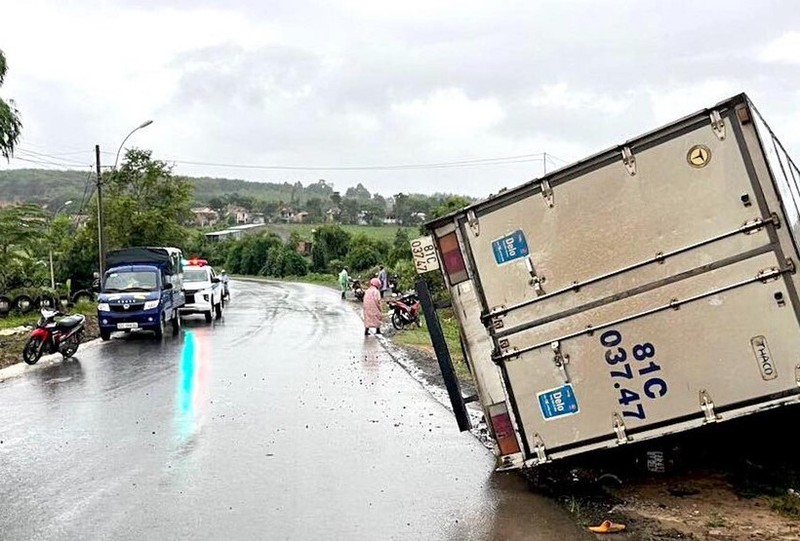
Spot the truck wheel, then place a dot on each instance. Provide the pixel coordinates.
(105, 336)
(5, 305)
(208, 316)
(176, 324)
(82, 296)
(160, 329)
(218, 310)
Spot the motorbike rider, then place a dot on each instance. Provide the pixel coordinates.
(224, 278)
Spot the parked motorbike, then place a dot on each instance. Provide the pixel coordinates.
(55, 332)
(405, 311)
(358, 291)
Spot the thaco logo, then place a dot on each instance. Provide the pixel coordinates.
(764, 358)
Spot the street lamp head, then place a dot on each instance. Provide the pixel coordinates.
(145, 124)
(67, 203)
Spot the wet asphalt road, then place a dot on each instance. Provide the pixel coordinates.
(279, 422)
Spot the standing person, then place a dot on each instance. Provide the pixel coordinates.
(373, 312)
(384, 278)
(226, 294)
(344, 281)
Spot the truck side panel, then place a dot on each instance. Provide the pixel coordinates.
(644, 291)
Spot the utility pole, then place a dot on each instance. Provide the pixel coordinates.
(100, 228)
(544, 163)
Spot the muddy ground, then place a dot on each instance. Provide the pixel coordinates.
(11, 345)
(734, 481)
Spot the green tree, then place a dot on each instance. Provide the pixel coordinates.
(10, 123)
(319, 261)
(359, 192)
(335, 240)
(401, 248)
(145, 204)
(349, 208)
(314, 207)
(450, 204)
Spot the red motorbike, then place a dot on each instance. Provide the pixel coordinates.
(54, 333)
(405, 311)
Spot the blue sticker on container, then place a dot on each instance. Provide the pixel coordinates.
(510, 247)
(558, 402)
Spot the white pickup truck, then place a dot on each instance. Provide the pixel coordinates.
(649, 289)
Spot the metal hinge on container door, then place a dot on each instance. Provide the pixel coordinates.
(536, 281)
(718, 125)
(561, 360)
(629, 161)
(619, 430)
(505, 348)
(547, 193)
(707, 405)
(497, 322)
(539, 449)
(474, 225)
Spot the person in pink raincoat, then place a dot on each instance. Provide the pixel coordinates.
(373, 313)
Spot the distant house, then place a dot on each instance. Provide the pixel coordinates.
(286, 214)
(419, 217)
(300, 217)
(205, 217)
(258, 218)
(236, 232)
(241, 214)
(390, 220)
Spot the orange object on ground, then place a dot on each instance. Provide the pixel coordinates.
(607, 527)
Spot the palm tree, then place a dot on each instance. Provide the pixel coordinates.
(10, 124)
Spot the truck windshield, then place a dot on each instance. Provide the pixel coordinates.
(131, 281)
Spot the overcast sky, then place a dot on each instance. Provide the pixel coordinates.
(352, 83)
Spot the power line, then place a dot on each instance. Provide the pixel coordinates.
(86, 191)
(27, 156)
(55, 159)
(522, 158)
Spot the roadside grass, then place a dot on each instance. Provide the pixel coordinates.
(419, 338)
(787, 505)
(18, 320)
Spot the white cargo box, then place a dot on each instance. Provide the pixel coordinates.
(646, 290)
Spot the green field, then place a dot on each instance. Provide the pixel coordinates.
(386, 232)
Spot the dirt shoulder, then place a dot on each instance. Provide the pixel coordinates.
(11, 345)
(727, 482)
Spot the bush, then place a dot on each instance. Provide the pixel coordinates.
(362, 257)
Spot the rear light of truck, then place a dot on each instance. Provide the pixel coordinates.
(504, 433)
(453, 259)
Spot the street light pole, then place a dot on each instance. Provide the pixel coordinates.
(100, 229)
(100, 240)
(52, 272)
(139, 127)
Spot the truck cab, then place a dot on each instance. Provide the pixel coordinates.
(141, 290)
(203, 290)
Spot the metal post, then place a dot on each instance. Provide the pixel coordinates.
(52, 273)
(443, 356)
(544, 163)
(100, 228)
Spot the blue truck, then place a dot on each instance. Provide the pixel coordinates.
(142, 289)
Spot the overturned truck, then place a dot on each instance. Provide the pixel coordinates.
(646, 290)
